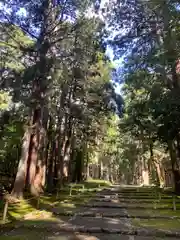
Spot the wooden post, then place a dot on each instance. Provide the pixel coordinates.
(174, 203)
(70, 192)
(155, 205)
(5, 211)
(38, 201)
(57, 194)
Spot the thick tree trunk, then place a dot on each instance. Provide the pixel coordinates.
(44, 68)
(43, 147)
(33, 147)
(175, 170)
(20, 179)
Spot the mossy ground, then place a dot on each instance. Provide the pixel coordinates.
(31, 215)
(154, 212)
(157, 223)
(153, 200)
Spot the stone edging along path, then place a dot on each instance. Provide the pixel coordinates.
(82, 229)
(115, 215)
(131, 200)
(144, 197)
(124, 206)
(102, 220)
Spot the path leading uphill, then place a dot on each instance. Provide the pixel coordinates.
(116, 214)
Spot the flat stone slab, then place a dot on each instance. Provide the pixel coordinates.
(101, 211)
(103, 205)
(70, 228)
(135, 200)
(124, 215)
(106, 237)
(103, 237)
(106, 196)
(150, 238)
(133, 196)
(107, 223)
(91, 237)
(125, 206)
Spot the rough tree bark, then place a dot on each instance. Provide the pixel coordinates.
(39, 90)
(175, 170)
(20, 179)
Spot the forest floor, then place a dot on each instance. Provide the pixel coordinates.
(96, 212)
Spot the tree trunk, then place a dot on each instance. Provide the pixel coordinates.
(33, 151)
(150, 162)
(158, 173)
(50, 168)
(44, 68)
(78, 166)
(72, 157)
(20, 179)
(87, 166)
(175, 169)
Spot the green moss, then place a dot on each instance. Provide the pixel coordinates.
(97, 183)
(154, 205)
(63, 203)
(153, 212)
(157, 224)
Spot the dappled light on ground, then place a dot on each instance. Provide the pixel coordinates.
(99, 219)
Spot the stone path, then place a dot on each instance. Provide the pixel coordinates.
(103, 218)
(98, 218)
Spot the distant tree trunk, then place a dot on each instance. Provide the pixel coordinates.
(56, 167)
(158, 173)
(150, 161)
(174, 164)
(67, 158)
(78, 166)
(50, 172)
(20, 179)
(100, 168)
(151, 157)
(72, 159)
(87, 166)
(60, 159)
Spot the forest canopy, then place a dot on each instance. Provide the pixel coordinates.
(60, 112)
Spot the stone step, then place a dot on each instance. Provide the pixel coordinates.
(132, 196)
(125, 206)
(85, 236)
(123, 200)
(97, 230)
(102, 214)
